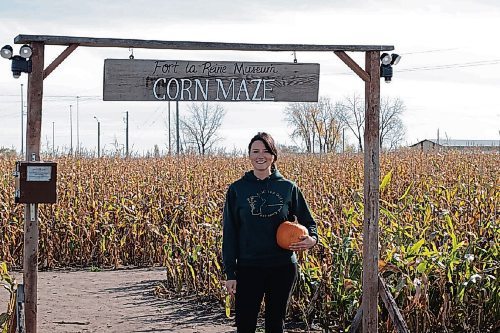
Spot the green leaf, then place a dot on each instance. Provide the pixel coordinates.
(422, 267)
(3, 268)
(228, 306)
(406, 192)
(450, 223)
(3, 318)
(386, 181)
(216, 264)
(193, 275)
(416, 247)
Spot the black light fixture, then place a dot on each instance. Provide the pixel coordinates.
(386, 62)
(6, 52)
(20, 63)
(395, 58)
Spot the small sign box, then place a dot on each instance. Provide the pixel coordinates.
(35, 182)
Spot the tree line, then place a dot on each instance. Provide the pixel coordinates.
(320, 127)
(316, 127)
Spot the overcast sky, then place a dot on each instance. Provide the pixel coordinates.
(448, 78)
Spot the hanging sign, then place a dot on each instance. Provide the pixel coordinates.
(221, 81)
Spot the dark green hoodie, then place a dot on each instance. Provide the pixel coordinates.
(253, 211)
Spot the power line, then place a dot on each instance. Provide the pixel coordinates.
(57, 96)
(436, 67)
(457, 65)
(429, 51)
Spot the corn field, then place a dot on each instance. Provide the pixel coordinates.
(439, 230)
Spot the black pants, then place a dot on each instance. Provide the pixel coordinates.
(252, 284)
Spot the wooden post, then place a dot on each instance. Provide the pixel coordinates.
(391, 306)
(33, 133)
(371, 194)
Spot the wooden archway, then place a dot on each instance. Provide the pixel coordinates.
(370, 75)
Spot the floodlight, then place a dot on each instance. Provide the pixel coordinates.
(385, 59)
(395, 58)
(6, 52)
(386, 62)
(25, 51)
(20, 63)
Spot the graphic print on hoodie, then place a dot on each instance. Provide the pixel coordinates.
(253, 210)
(266, 203)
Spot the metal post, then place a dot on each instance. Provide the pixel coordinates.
(371, 194)
(169, 131)
(53, 150)
(71, 128)
(77, 128)
(33, 134)
(20, 316)
(98, 137)
(177, 120)
(126, 138)
(22, 121)
(343, 140)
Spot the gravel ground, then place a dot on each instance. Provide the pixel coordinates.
(117, 301)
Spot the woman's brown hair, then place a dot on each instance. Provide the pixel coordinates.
(268, 142)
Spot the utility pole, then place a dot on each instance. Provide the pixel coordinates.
(169, 133)
(77, 128)
(53, 150)
(98, 137)
(343, 140)
(71, 128)
(126, 138)
(177, 120)
(22, 120)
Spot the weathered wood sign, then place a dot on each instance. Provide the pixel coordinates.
(222, 81)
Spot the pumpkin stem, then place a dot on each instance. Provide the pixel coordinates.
(295, 219)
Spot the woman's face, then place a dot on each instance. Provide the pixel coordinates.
(260, 157)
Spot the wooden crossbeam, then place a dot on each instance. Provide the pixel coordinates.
(185, 45)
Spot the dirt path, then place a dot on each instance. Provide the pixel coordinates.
(116, 301)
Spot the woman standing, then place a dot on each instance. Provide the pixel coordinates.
(255, 266)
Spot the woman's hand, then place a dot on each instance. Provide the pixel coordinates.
(231, 286)
(306, 242)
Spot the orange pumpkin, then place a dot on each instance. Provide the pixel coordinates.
(290, 232)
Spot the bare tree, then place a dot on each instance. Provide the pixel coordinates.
(315, 123)
(352, 114)
(392, 130)
(333, 125)
(327, 124)
(201, 124)
(298, 116)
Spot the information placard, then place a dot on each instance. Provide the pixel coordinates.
(38, 173)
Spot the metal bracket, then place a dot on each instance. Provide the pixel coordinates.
(32, 213)
(20, 309)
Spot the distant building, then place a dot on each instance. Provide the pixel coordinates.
(426, 145)
(483, 145)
